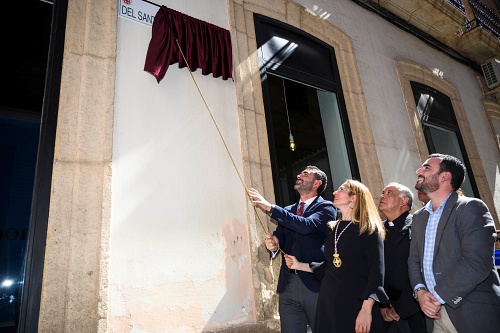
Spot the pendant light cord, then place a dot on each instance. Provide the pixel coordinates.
(286, 107)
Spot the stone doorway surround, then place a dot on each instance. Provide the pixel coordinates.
(493, 111)
(75, 278)
(254, 140)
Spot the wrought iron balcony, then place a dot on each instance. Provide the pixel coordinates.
(486, 18)
(467, 30)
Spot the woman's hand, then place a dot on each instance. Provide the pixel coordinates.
(364, 319)
(293, 263)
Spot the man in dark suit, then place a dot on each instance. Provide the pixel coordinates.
(300, 232)
(450, 265)
(402, 314)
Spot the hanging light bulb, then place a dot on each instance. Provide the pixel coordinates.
(292, 141)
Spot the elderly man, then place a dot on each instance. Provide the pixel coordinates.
(450, 264)
(403, 313)
(301, 232)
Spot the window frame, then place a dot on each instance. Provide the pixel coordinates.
(439, 124)
(37, 234)
(331, 84)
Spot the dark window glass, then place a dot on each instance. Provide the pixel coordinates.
(303, 97)
(26, 28)
(441, 130)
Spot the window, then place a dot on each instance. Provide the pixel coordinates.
(440, 127)
(303, 97)
(31, 72)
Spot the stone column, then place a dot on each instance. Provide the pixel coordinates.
(74, 291)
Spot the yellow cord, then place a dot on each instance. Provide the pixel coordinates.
(222, 137)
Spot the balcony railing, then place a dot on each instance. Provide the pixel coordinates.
(458, 5)
(484, 17)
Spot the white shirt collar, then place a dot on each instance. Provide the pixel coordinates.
(308, 202)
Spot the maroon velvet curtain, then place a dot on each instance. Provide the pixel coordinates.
(204, 45)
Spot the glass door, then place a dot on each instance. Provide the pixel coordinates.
(26, 28)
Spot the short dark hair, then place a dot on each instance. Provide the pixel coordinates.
(454, 166)
(319, 175)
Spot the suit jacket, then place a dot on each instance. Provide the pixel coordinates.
(463, 266)
(303, 236)
(397, 282)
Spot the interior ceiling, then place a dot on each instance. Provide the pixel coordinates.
(304, 116)
(24, 54)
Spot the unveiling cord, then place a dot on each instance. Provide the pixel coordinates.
(223, 139)
(266, 229)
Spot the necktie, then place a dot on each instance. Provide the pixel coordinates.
(301, 209)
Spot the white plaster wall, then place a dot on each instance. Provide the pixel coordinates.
(179, 256)
(377, 44)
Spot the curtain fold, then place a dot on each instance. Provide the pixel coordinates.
(205, 45)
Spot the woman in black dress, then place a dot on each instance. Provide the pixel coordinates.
(352, 274)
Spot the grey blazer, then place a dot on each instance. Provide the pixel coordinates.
(466, 278)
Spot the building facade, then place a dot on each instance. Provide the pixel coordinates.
(140, 220)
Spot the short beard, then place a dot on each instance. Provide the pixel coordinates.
(305, 187)
(429, 184)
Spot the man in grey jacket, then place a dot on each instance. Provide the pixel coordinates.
(450, 264)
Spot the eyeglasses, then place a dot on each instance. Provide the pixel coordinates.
(498, 239)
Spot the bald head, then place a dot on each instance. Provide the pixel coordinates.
(395, 200)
